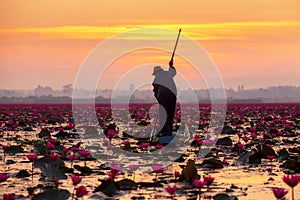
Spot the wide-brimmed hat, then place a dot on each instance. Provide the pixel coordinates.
(157, 69)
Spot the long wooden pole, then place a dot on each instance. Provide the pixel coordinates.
(176, 44)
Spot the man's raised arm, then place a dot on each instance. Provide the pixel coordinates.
(172, 69)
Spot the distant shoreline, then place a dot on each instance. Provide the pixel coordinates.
(288, 94)
(101, 100)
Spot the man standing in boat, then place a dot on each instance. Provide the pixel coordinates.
(165, 92)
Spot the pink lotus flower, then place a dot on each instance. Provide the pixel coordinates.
(225, 162)
(208, 179)
(115, 167)
(246, 139)
(70, 125)
(50, 146)
(65, 150)
(158, 169)
(54, 156)
(273, 135)
(159, 146)
(199, 184)
(171, 190)
(265, 134)
(110, 134)
(75, 179)
(32, 157)
(279, 193)
(253, 135)
(3, 177)
(186, 187)
(81, 191)
(144, 145)
(270, 157)
(84, 153)
(9, 197)
(112, 175)
(73, 157)
(239, 135)
(75, 149)
(125, 142)
(291, 180)
(198, 140)
(287, 127)
(133, 167)
(177, 174)
(4, 146)
(52, 140)
(240, 145)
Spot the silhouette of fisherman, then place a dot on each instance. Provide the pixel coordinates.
(165, 92)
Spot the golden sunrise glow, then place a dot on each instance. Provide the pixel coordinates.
(255, 43)
(208, 31)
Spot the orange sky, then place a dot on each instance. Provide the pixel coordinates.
(255, 43)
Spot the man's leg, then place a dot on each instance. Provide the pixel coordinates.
(169, 103)
(171, 110)
(164, 120)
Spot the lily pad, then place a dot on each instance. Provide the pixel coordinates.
(22, 174)
(155, 184)
(13, 149)
(266, 150)
(126, 184)
(213, 163)
(108, 187)
(228, 130)
(59, 148)
(50, 171)
(226, 141)
(295, 149)
(52, 194)
(245, 157)
(98, 196)
(181, 158)
(255, 158)
(44, 133)
(62, 134)
(291, 165)
(83, 170)
(224, 197)
(283, 153)
(46, 160)
(40, 148)
(28, 128)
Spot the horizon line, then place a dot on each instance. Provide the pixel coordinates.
(227, 88)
